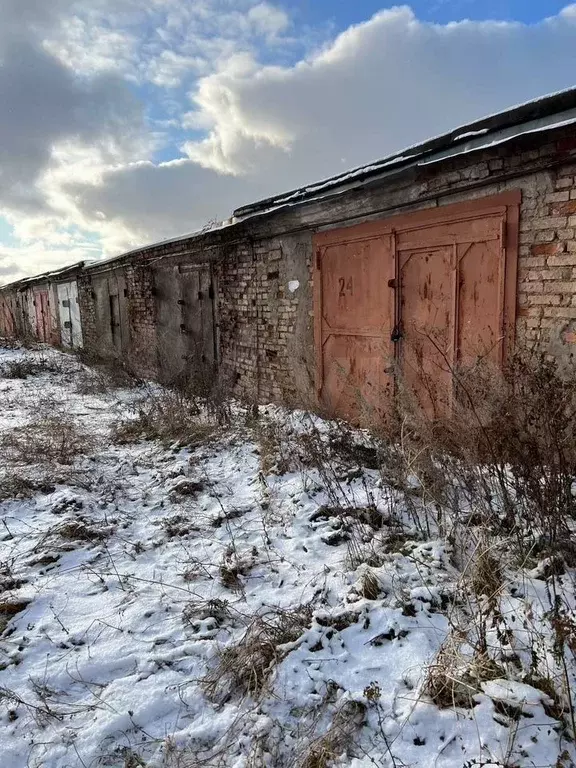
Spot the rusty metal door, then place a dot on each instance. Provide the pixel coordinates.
(42, 307)
(7, 319)
(418, 296)
(353, 324)
(186, 329)
(451, 308)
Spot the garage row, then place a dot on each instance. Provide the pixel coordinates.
(342, 293)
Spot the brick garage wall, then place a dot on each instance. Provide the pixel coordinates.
(141, 306)
(265, 319)
(87, 313)
(266, 332)
(547, 265)
(140, 352)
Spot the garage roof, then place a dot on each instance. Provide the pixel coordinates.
(545, 113)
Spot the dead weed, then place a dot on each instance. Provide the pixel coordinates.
(246, 668)
(51, 440)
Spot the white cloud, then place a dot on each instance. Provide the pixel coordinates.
(78, 157)
(376, 88)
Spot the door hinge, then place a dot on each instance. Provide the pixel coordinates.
(318, 254)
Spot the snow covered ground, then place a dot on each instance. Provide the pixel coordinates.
(165, 606)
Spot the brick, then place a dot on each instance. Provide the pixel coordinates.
(533, 261)
(564, 182)
(550, 222)
(536, 287)
(560, 287)
(564, 260)
(539, 298)
(545, 249)
(567, 313)
(545, 236)
(530, 311)
(563, 209)
(557, 197)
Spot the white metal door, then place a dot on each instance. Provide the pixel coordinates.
(69, 312)
(64, 314)
(77, 340)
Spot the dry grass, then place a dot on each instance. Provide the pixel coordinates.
(338, 739)
(201, 610)
(246, 668)
(446, 682)
(101, 376)
(51, 440)
(370, 587)
(29, 366)
(14, 486)
(506, 451)
(170, 417)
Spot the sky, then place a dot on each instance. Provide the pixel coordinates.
(125, 122)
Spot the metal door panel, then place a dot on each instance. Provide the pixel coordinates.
(185, 325)
(480, 276)
(355, 383)
(77, 339)
(64, 314)
(118, 311)
(426, 326)
(42, 315)
(192, 315)
(453, 275)
(7, 320)
(115, 324)
(207, 294)
(478, 227)
(354, 315)
(170, 338)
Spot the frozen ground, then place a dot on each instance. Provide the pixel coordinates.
(142, 586)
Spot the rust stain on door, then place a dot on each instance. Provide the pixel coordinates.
(416, 296)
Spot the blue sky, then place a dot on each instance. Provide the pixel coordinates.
(130, 121)
(346, 12)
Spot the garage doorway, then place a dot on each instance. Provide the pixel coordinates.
(404, 302)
